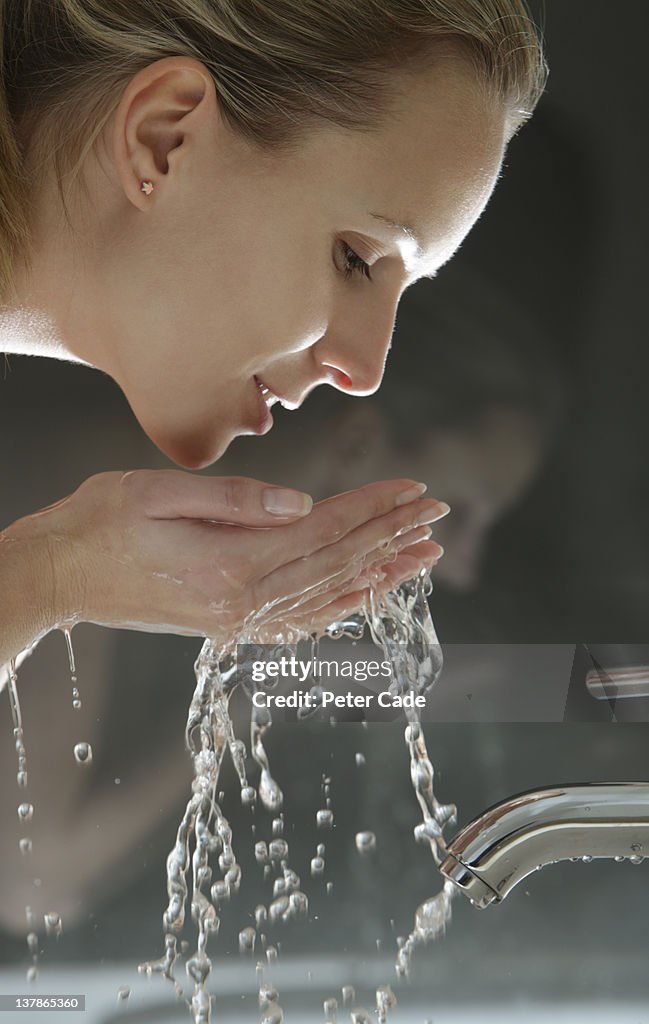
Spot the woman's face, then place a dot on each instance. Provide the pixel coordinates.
(243, 266)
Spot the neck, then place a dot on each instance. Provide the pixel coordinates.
(54, 308)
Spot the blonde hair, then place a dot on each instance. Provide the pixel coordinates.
(279, 66)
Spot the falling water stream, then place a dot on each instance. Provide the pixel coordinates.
(202, 867)
(203, 852)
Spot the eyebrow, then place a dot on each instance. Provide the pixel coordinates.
(409, 232)
(405, 229)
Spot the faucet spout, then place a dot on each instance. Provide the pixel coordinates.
(539, 827)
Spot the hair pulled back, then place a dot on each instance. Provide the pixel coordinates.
(279, 67)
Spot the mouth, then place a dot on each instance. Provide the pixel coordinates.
(269, 396)
(265, 399)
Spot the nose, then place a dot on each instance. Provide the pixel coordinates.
(354, 349)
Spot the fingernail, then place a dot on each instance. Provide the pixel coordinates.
(281, 502)
(431, 515)
(410, 494)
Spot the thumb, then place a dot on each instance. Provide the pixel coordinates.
(224, 499)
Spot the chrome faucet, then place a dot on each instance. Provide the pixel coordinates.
(539, 827)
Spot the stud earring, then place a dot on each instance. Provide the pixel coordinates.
(147, 187)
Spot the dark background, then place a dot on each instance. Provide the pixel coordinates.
(564, 241)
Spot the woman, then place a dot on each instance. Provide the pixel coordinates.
(220, 204)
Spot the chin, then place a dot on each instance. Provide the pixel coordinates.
(190, 451)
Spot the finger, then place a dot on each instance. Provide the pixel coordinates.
(173, 494)
(334, 518)
(317, 620)
(347, 555)
(382, 575)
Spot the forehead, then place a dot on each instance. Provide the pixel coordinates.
(438, 156)
(430, 166)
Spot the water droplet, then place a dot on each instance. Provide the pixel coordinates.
(330, 888)
(325, 818)
(25, 812)
(247, 938)
(360, 759)
(25, 845)
(365, 842)
(32, 942)
(348, 994)
(21, 779)
(270, 794)
(271, 954)
(32, 973)
(248, 796)
(53, 924)
(330, 1007)
(317, 866)
(83, 753)
(123, 992)
(360, 1016)
(586, 859)
(278, 849)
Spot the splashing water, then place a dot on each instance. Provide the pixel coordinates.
(400, 623)
(385, 1001)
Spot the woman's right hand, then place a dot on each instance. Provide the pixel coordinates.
(167, 551)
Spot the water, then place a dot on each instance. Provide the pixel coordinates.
(53, 924)
(330, 1007)
(25, 812)
(83, 753)
(317, 866)
(76, 699)
(349, 995)
(400, 623)
(385, 1001)
(14, 703)
(365, 842)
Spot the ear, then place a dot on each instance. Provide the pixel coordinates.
(158, 117)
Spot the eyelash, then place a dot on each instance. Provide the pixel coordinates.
(353, 263)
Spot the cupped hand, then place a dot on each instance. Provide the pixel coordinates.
(168, 551)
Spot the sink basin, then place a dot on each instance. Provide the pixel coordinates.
(154, 1002)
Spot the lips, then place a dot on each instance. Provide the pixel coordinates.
(265, 398)
(269, 396)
